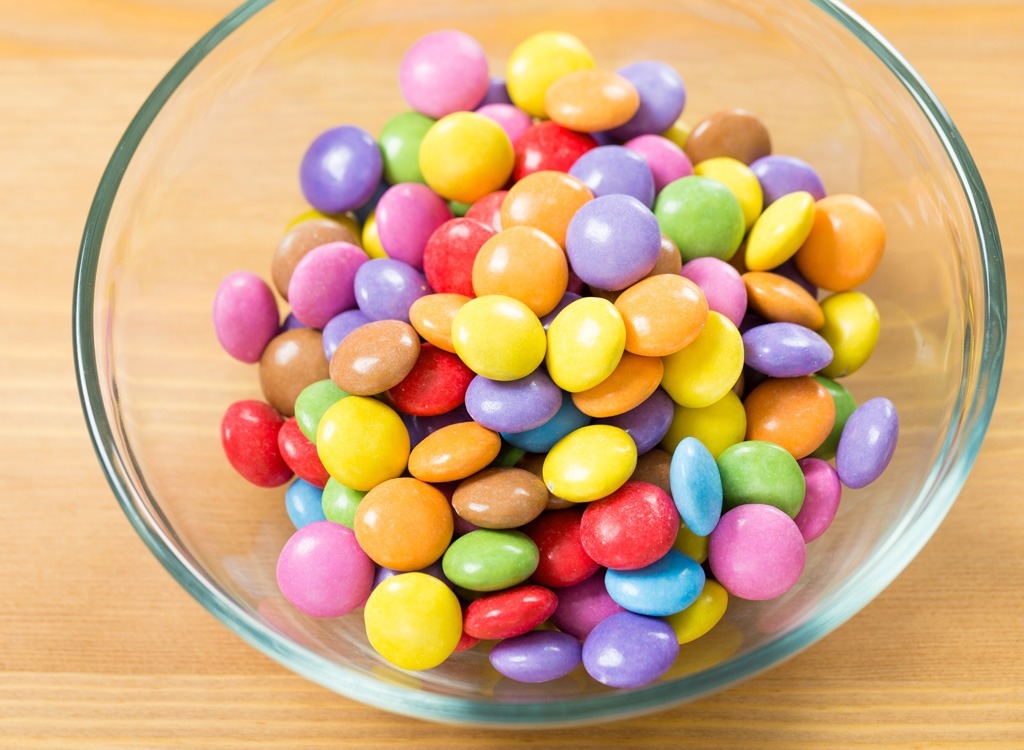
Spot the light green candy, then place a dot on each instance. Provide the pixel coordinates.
(756, 471)
(702, 217)
(313, 401)
(459, 209)
(340, 503)
(490, 560)
(845, 404)
(400, 147)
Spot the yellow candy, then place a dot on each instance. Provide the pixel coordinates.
(371, 240)
(851, 329)
(717, 426)
(498, 337)
(780, 231)
(740, 180)
(585, 343)
(362, 443)
(347, 219)
(540, 61)
(678, 132)
(691, 545)
(589, 463)
(706, 369)
(702, 615)
(413, 620)
(464, 156)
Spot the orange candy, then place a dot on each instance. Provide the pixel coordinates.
(546, 201)
(432, 318)
(454, 452)
(631, 382)
(662, 314)
(795, 413)
(845, 245)
(591, 100)
(669, 259)
(404, 524)
(781, 300)
(525, 264)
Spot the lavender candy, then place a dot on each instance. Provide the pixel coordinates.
(513, 405)
(662, 98)
(781, 175)
(628, 650)
(613, 242)
(646, 423)
(340, 326)
(385, 289)
(610, 170)
(537, 656)
(340, 170)
(867, 443)
(785, 350)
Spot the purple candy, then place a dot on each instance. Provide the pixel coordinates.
(751, 320)
(647, 423)
(785, 350)
(340, 326)
(385, 289)
(245, 316)
(291, 323)
(538, 656)
(666, 160)
(613, 242)
(628, 650)
(513, 120)
(611, 170)
(444, 72)
(582, 606)
(407, 214)
(321, 285)
(821, 498)
(363, 212)
(420, 427)
(514, 405)
(567, 299)
(867, 443)
(662, 98)
(340, 170)
(497, 93)
(433, 569)
(722, 286)
(575, 285)
(781, 175)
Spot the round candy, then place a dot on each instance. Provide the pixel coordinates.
(785, 350)
(781, 300)
(300, 454)
(375, 357)
(540, 61)
(512, 120)
(706, 612)
(525, 264)
(821, 499)
(546, 201)
(716, 426)
(662, 98)
(449, 254)
(245, 316)
(693, 546)
(734, 133)
(321, 284)
(509, 613)
(490, 560)
(290, 323)
(583, 605)
(370, 238)
(535, 657)
(404, 524)
(444, 72)
(666, 586)
(780, 231)
(722, 286)
(611, 170)
(487, 210)
(591, 100)
(465, 155)
(708, 367)
(513, 405)
(845, 404)
(678, 132)
(498, 337)
(322, 571)
(497, 92)
(400, 147)
(291, 361)
(385, 289)
(436, 384)
(756, 552)
(303, 237)
(302, 503)
(851, 330)
(340, 326)
(362, 442)
(613, 242)
(662, 314)
(534, 463)
(585, 343)
(653, 467)
(696, 486)
(563, 561)
(590, 463)
(845, 244)
(312, 402)
(454, 452)
(420, 427)
(669, 260)
(868, 442)
(432, 317)
(547, 146)
(702, 217)
(630, 528)
(541, 439)
(739, 178)
(500, 498)
(632, 381)
(646, 422)
(340, 503)
(795, 413)
(761, 473)
(407, 215)
(628, 650)
(248, 434)
(340, 170)
(782, 175)
(666, 160)
(413, 620)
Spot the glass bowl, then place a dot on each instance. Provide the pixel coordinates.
(205, 179)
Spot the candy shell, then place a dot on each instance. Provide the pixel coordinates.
(487, 210)
(509, 613)
(785, 350)
(628, 650)
(716, 426)
(662, 314)
(598, 233)
(340, 503)
(795, 413)
(701, 616)
(780, 231)
(454, 452)
(436, 384)
(498, 337)
(449, 254)
(611, 170)
(707, 368)
(547, 146)
(630, 528)
(868, 442)
(780, 300)
(756, 552)
(537, 62)
(589, 463)
(845, 404)
(302, 237)
(444, 72)
(340, 170)
(845, 244)
(375, 357)
(821, 499)
(851, 329)
(290, 362)
(500, 498)
(386, 288)
(583, 605)
(323, 572)
(584, 344)
(302, 502)
(646, 422)
(407, 215)
(541, 439)
(464, 156)
(782, 175)
(245, 316)
(545, 200)
(404, 524)
(666, 160)
(513, 405)
(696, 486)
(248, 433)
(362, 442)
(400, 146)
(432, 318)
(662, 98)
(563, 561)
(340, 326)
(299, 453)
(701, 216)
(490, 560)
(735, 133)
(665, 587)
(756, 472)
(413, 620)
(525, 264)
(536, 657)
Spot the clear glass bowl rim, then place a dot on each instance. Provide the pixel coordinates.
(960, 444)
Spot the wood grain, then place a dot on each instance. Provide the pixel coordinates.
(99, 648)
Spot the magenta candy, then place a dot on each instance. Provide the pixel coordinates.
(756, 552)
(582, 606)
(821, 498)
(323, 571)
(722, 286)
(513, 120)
(245, 316)
(444, 72)
(407, 214)
(321, 286)
(867, 443)
(666, 160)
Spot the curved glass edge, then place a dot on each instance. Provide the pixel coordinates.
(869, 582)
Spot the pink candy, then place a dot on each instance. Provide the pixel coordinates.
(245, 315)
(323, 571)
(722, 286)
(756, 552)
(444, 72)
(821, 498)
(321, 286)
(513, 120)
(667, 161)
(407, 214)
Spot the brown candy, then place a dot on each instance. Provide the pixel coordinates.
(731, 132)
(454, 452)
(653, 468)
(375, 357)
(796, 413)
(669, 260)
(534, 463)
(299, 240)
(500, 498)
(782, 300)
(291, 361)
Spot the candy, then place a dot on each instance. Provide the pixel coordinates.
(436, 384)
(400, 147)
(780, 231)
(375, 357)
(370, 238)
(629, 650)
(454, 452)
(756, 552)
(340, 326)
(678, 132)
(291, 361)
(845, 244)
(407, 215)
(541, 439)
(583, 605)
(362, 442)
(487, 210)
(449, 254)
(734, 133)
(404, 524)
(541, 656)
(612, 170)
(312, 402)
(498, 337)
(513, 405)
(696, 486)
(245, 316)
(300, 454)
(512, 120)
(444, 72)
(647, 423)
(341, 170)
(385, 289)
(321, 284)
(432, 318)
(821, 498)
(706, 369)
(693, 546)
(248, 434)
(563, 561)
(413, 620)
(589, 463)
(500, 498)
(662, 98)
(782, 175)
(794, 413)
(662, 314)
(525, 264)
(340, 503)
(740, 180)
(785, 350)
(721, 284)
(534, 463)
(761, 473)
(490, 560)
(538, 62)
(545, 200)
(465, 155)
(632, 381)
(702, 615)
(509, 613)
(666, 586)
(701, 216)
(547, 146)
(845, 404)
(631, 527)
(613, 241)
(717, 426)
(666, 160)
(584, 344)
(300, 239)
(420, 427)
(867, 443)
(323, 572)
(302, 503)
(591, 100)
(851, 329)
(780, 300)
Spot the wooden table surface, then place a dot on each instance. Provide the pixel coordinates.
(100, 648)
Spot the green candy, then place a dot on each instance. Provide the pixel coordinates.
(508, 456)
(400, 147)
(311, 404)
(845, 404)
(459, 209)
(340, 503)
(490, 560)
(702, 217)
(760, 472)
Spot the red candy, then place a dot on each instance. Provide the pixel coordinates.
(487, 210)
(631, 528)
(466, 642)
(436, 384)
(300, 454)
(548, 145)
(509, 613)
(563, 561)
(450, 252)
(248, 433)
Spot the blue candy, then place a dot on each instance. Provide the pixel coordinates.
(542, 439)
(696, 486)
(660, 589)
(303, 501)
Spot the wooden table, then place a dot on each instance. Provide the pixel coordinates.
(99, 648)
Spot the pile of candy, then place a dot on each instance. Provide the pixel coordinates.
(498, 315)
